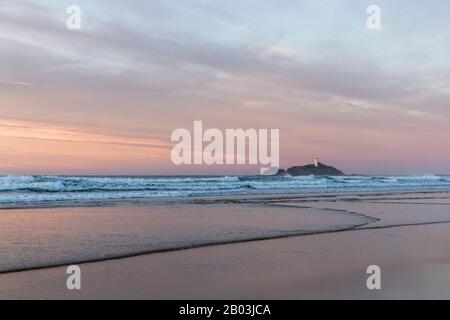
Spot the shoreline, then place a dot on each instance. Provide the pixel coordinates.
(325, 266)
(266, 201)
(392, 231)
(212, 243)
(200, 246)
(167, 250)
(210, 199)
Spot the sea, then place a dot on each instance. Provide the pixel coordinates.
(45, 189)
(48, 221)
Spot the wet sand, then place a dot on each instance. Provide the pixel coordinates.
(408, 237)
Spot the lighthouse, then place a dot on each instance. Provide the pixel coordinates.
(316, 162)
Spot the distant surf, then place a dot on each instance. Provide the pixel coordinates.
(35, 189)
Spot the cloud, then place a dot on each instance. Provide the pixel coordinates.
(156, 54)
(16, 83)
(36, 131)
(135, 72)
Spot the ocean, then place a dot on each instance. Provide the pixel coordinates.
(57, 220)
(44, 189)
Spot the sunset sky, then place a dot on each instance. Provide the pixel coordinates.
(105, 99)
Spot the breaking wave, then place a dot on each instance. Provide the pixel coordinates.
(29, 189)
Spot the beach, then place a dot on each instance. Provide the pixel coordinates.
(269, 247)
(224, 150)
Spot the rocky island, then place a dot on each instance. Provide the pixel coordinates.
(317, 169)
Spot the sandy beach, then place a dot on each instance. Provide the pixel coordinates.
(407, 235)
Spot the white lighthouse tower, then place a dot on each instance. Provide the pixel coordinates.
(316, 162)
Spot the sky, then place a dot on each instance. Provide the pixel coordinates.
(105, 99)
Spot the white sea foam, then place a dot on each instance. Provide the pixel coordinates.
(30, 189)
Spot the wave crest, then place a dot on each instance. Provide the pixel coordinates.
(24, 189)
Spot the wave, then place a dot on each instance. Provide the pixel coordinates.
(115, 233)
(24, 189)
